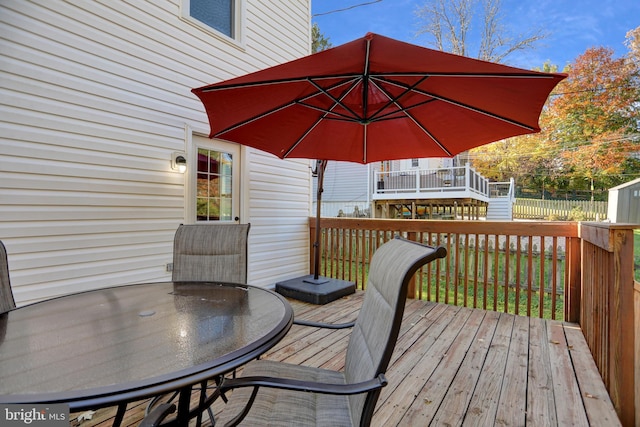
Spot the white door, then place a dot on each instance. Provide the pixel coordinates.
(216, 178)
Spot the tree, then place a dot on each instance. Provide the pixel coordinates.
(633, 44)
(590, 129)
(318, 41)
(449, 23)
(596, 119)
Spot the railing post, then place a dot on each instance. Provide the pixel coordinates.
(411, 293)
(621, 325)
(467, 176)
(607, 310)
(572, 290)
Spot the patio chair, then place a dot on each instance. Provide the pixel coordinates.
(210, 252)
(6, 294)
(281, 394)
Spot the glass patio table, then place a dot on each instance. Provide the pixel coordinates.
(116, 345)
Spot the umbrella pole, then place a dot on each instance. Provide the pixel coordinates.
(314, 288)
(321, 166)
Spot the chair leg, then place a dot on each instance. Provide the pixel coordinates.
(117, 421)
(206, 399)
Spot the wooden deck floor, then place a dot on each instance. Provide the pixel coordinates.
(456, 366)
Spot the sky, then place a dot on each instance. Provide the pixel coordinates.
(572, 25)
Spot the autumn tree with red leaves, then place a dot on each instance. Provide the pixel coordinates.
(590, 135)
(594, 121)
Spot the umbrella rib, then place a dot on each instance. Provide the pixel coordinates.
(338, 117)
(217, 86)
(336, 103)
(281, 107)
(406, 112)
(252, 119)
(402, 110)
(460, 104)
(365, 84)
(393, 100)
(304, 135)
(426, 131)
(365, 101)
(532, 75)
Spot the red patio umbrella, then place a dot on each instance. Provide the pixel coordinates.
(375, 99)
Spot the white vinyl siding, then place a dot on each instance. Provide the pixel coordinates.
(346, 185)
(94, 98)
(279, 215)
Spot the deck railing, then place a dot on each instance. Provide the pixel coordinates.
(429, 181)
(577, 272)
(502, 190)
(607, 316)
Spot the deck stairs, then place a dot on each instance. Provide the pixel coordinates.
(500, 209)
(501, 199)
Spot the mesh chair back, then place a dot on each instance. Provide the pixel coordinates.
(6, 294)
(210, 252)
(376, 330)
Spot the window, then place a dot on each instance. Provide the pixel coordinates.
(212, 181)
(217, 14)
(214, 186)
(414, 163)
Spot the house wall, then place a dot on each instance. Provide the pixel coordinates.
(95, 98)
(346, 185)
(427, 163)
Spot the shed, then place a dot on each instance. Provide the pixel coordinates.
(624, 203)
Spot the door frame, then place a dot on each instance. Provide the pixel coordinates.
(194, 140)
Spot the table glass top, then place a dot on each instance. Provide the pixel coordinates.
(138, 334)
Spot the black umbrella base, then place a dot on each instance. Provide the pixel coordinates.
(321, 291)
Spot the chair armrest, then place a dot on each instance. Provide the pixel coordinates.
(324, 325)
(156, 416)
(307, 386)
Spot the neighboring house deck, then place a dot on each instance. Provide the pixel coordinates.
(460, 366)
(449, 193)
(422, 193)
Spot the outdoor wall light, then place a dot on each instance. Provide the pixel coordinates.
(178, 162)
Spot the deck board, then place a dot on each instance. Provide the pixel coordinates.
(540, 396)
(511, 408)
(483, 405)
(458, 366)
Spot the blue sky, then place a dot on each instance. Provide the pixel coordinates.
(572, 25)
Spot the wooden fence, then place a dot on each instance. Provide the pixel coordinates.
(579, 272)
(573, 210)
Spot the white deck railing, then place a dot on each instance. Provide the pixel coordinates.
(502, 190)
(430, 183)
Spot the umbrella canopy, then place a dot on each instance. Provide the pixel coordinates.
(375, 99)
